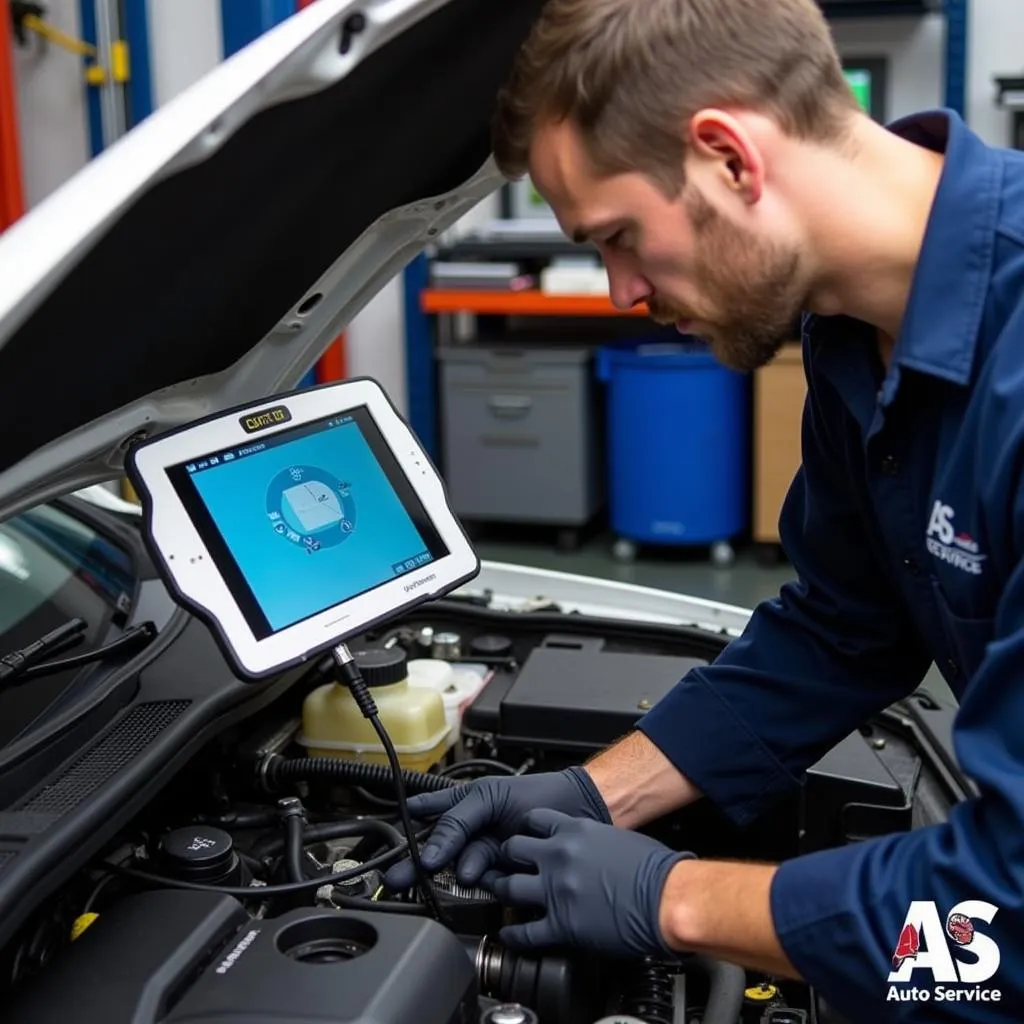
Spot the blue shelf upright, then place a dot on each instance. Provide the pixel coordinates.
(421, 373)
(242, 21)
(957, 38)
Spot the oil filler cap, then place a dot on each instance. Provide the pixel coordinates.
(490, 647)
(199, 853)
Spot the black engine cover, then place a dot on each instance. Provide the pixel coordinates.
(197, 957)
(572, 695)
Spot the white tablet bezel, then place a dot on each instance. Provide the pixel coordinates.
(189, 568)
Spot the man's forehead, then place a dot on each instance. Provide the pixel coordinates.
(560, 170)
(557, 162)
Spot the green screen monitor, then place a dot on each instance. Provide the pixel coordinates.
(860, 82)
(867, 79)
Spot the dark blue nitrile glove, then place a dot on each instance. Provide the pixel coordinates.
(475, 819)
(600, 887)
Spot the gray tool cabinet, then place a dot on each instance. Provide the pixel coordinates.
(521, 433)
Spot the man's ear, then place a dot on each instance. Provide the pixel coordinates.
(722, 139)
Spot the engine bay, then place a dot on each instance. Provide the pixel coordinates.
(250, 887)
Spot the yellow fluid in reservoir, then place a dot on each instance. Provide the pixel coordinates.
(414, 717)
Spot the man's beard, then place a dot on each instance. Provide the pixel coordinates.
(754, 287)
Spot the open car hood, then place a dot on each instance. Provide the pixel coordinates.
(211, 255)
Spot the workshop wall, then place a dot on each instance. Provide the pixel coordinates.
(51, 107)
(914, 48)
(996, 48)
(185, 43)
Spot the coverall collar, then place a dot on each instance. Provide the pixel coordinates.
(939, 334)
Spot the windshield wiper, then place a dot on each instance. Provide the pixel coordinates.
(63, 638)
(22, 666)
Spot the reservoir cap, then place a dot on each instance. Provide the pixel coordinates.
(198, 853)
(381, 666)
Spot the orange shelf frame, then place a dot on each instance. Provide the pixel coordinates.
(529, 303)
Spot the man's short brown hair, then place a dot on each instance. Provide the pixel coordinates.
(631, 73)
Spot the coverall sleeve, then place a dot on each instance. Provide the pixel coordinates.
(840, 913)
(833, 648)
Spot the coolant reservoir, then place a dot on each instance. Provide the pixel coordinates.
(456, 686)
(414, 717)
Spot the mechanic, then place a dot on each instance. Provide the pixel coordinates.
(713, 152)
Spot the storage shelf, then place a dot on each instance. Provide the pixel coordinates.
(528, 303)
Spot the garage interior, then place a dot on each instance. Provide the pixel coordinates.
(572, 437)
(529, 454)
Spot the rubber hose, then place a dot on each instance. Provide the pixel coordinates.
(727, 985)
(294, 851)
(304, 769)
(379, 907)
(360, 827)
(240, 820)
(252, 863)
(338, 830)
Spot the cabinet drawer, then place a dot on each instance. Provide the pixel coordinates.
(519, 443)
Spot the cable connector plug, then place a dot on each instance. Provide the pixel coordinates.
(352, 678)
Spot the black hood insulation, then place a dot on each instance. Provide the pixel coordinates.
(207, 262)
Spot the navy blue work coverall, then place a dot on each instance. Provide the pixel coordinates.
(905, 525)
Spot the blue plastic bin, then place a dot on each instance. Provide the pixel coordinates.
(678, 444)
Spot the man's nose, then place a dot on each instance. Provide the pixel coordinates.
(627, 289)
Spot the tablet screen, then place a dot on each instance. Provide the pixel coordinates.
(304, 519)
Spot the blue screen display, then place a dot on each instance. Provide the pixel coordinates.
(310, 518)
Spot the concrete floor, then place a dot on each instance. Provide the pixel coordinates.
(745, 583)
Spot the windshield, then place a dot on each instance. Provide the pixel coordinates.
(54, 567)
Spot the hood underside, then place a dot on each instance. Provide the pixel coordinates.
(210, 256)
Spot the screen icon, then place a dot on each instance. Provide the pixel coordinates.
(191, 467)
(229, 456)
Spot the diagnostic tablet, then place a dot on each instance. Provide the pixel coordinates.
(292, 525)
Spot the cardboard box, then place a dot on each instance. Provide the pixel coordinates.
(779, 393)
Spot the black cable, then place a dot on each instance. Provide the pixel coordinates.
(340, 830)
(367, 847)
(96, 891)
(376, 801)
(426, 887)
(478, 762)
(359, 827)
(366, 704)
(261, 892)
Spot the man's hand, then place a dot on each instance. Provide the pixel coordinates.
(600, 886)
(475, 819)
